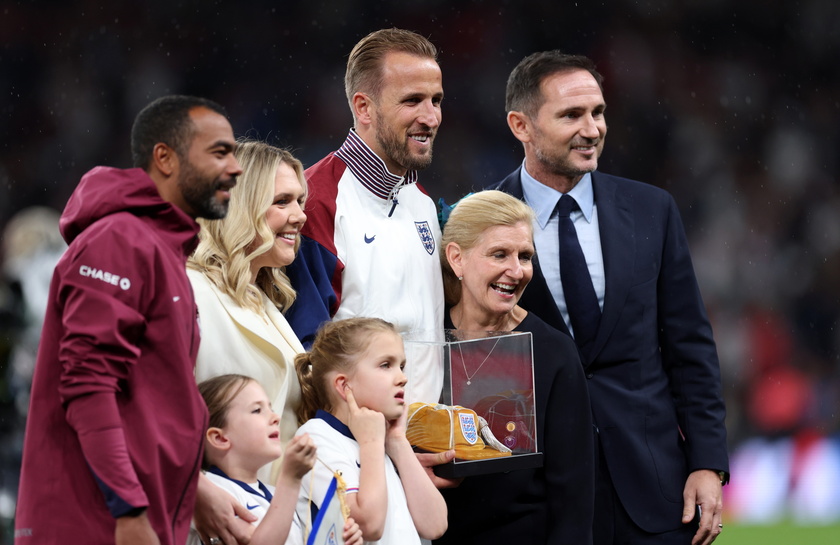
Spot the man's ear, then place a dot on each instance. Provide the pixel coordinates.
(217, 439)
(362, 108)
(164, 159)
(454, 257)
(520, 126)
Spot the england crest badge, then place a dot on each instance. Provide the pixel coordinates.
(426, 236)
(468, 427)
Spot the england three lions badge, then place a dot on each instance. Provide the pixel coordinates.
(426, 236)
(468, 427)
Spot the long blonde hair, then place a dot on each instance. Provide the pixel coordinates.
(228, 246)
(469, 219)
(334, 349)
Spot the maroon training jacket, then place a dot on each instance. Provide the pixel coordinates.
(115, 420)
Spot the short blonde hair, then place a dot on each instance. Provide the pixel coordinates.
(227, 249)
(467, 222)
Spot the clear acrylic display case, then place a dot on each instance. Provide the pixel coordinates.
(493, 374)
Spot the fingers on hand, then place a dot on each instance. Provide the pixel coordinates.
(689, 512)
(304, 451)
(351, 399)
(304, 443)
(240, 510)
(310, 451)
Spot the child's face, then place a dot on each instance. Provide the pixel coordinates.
(378, 380)
(252, 427)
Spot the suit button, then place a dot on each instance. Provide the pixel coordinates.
(590, 375)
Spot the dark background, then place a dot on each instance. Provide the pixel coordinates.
(731, 106)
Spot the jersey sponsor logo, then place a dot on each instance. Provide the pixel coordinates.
(250, 507)
(468, 427)
(368, 240)
(107, 277)
(426, 236)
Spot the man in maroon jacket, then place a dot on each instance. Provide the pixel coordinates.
(114, 437)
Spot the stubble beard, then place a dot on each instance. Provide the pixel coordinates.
(396, 150)
(559, 166)
(199, 192)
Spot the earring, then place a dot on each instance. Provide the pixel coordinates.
(460, 278)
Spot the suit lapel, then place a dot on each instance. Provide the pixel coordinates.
(617, 229)
(537, 297)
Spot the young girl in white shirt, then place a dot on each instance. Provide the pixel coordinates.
(353, 402)
(243, 436)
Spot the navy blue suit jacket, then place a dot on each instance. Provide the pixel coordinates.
(653, 374)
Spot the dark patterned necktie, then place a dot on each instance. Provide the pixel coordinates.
(581, 301)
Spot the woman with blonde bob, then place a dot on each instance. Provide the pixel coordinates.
(240, 285)
(487, 255)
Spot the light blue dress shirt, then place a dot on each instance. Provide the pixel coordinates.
(543, 199)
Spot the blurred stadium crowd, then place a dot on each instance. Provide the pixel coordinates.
(731, 106)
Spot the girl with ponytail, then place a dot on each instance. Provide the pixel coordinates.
(353, 401)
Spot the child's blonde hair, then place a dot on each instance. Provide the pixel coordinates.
(218, 393)
(334, 348)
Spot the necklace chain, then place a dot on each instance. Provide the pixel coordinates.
(464, 362)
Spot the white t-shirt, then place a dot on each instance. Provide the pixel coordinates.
(339, 450)
(254, 500)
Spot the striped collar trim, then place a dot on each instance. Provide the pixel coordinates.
(370, 169)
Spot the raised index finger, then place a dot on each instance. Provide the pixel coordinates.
(351, 399)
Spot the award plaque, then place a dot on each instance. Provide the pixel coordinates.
(492, 374)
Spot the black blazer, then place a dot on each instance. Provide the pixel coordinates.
(653, 374)
(553, 504)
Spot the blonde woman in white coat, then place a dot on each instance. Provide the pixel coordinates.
(239, 283)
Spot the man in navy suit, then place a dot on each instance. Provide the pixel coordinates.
(650, 359)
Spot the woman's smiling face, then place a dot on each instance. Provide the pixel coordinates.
(496, 269)
(285, 218)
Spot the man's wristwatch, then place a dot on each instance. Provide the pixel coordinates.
(722, 475)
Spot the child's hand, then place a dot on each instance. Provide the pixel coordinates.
(352, 532)
(299, 457)
(366, 425)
